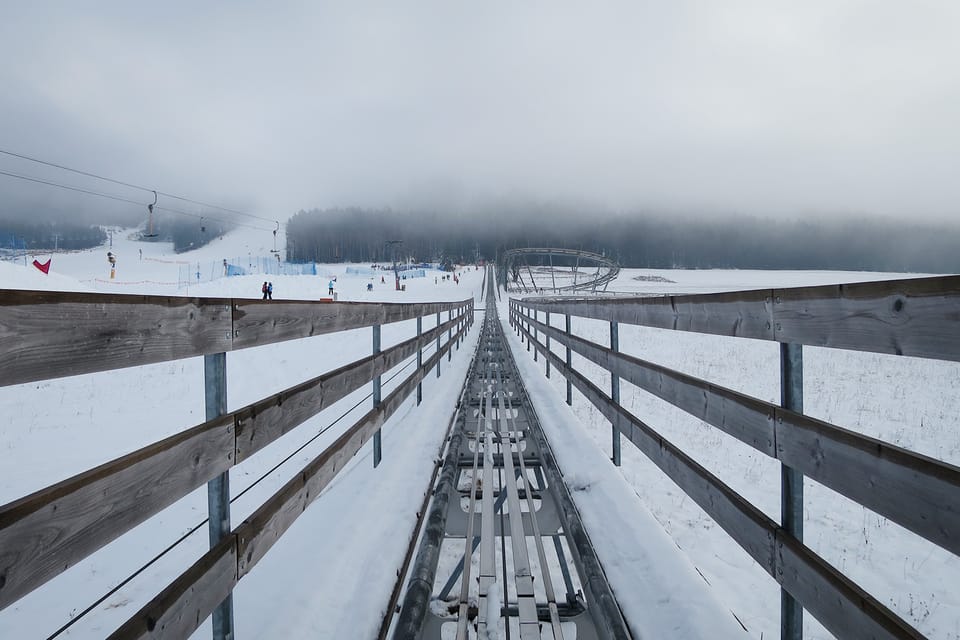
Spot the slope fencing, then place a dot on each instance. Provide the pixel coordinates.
(917, 317)
(46, 335)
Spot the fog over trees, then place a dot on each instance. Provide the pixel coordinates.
(635, 240)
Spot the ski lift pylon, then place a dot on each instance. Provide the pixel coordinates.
(150, 233)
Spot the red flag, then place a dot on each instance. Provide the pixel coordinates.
(45, 266)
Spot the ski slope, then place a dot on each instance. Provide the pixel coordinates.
(331, 574)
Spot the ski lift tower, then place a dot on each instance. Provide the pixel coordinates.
(392, 244)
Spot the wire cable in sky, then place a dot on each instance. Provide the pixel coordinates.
(133, 186)
(142, 204)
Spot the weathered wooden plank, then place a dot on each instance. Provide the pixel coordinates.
(256, 324)
(181, 608)
(913, 490)
(43, 534)
(263, 422)
(839, 604)
(53, 334)
(748, 419)
(917, 317)
(744, 314)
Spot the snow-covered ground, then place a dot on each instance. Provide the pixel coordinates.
(331, 574)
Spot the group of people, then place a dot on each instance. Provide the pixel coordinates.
(267, 290)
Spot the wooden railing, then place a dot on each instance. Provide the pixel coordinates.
(917, 317)
(46, 335)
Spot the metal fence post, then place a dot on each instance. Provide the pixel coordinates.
(419, 359)
(615, 392)
(569, 364)
(547, 357)
(438, 345)
(527, 326)
(791, 483)
(536, 336)
(449, 336)
(377, 451)
(218, 489)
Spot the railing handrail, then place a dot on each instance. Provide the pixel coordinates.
(833, 598)
(46, 334)
(911, 489)
(93, 508)
(210, 579)
(913, 317)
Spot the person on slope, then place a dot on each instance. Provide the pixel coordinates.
(263, 289)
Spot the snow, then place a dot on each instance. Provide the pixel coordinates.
(330, 576)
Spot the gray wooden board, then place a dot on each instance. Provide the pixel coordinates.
(845, 609)
(748, 419)
(916, 317)
(43, 534)
(911, 489)
(178, 610)
(817, 586)
(53, 334)
(746, 314)
(257, 324)
(47, 335)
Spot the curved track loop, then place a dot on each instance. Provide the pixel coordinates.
(535, 270)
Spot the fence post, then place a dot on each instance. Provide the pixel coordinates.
(449, 335)
(547, 357)
(218, 489)
(419, 359)
(569, 363)
(536, 336)
(529, 337)
(377, 452)
(791, 483)
(438, 345)
(615, 392)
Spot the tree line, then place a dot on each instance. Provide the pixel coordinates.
(635, 240)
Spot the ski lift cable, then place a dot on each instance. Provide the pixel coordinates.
(134, 186)
(127, 200)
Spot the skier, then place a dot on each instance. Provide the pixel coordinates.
(264, 290)
(269, 291)
(330, 288)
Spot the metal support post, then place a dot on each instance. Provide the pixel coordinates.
(791, 483)
(547, 358)
(377, 452)
(615, 393)
(449, 336)
(526, 325)
(536, 336)
(569, 364)
(218, 489)
(438, 345)
(419, 360)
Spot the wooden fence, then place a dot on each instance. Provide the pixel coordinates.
(46, 335)
(917, 317)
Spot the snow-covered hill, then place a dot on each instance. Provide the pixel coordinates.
(53, 429)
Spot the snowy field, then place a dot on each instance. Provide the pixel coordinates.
(324, 578)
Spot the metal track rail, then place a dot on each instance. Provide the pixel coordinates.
(502, 526)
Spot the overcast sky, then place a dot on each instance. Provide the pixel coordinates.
(758, 107)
